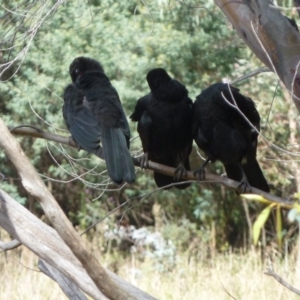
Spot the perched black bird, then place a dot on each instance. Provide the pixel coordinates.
(164, 119)
(223, 134)
(92, 111)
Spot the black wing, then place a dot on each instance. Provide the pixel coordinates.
(82, 124)
(104, 103)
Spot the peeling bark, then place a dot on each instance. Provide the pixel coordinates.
(270, 36)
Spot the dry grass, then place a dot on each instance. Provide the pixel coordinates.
(239, 275)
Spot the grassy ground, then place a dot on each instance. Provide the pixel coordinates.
(226, 276)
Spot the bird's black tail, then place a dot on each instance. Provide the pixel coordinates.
(118, 160)
(162, 180)
(253, 173)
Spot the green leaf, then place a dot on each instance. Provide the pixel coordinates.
(260, 222)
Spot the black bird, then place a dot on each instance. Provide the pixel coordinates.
(92, 111)
(223, 134)
(164, 119)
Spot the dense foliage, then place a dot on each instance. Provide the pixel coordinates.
(192, 42)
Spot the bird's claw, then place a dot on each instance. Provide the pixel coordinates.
(244, 187)
(200, 174)
(144, 161)
(180, 172)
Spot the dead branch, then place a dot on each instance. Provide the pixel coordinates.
(36, 187)
(270, 271)
(270, 36)
(29, 130)
(209, 178)
(212, 178)
(250, 74)
(45, 242)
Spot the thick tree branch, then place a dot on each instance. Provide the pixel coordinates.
(45, 242)
(36, 187)
(270, 36)
(211, 178)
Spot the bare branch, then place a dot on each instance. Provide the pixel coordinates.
(209, 178)
(5, 246)
(212, 178)
(251, 74)
(33, 131)
(271, 272)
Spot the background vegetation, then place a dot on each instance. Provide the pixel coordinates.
(195, 43)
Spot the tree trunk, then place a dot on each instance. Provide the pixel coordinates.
(270, 36)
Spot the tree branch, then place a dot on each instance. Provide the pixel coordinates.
(271, 272)
(29, 130)
(250, 74)
(210, 178)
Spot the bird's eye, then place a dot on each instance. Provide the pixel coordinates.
(76, 71)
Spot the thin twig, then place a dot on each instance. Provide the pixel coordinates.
(225, 290)
(251, 74)
(270, 271)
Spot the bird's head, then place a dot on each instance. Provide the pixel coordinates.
(82, 64)
(157, 77)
